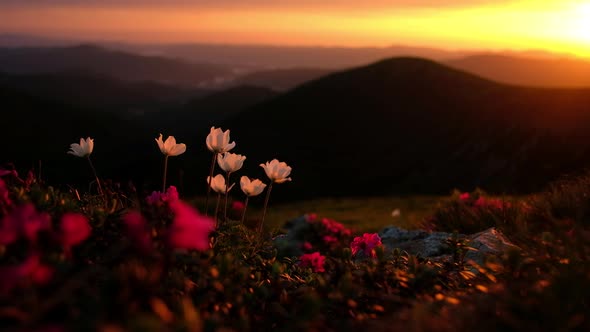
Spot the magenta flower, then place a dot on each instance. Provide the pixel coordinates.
(464, 196)
(136, 228)
(74, 229)
(31, 268)
(335, 227)
(158, 198)
(23, 221)
(329, 239)
(365, 244)
(190, 229)
(4, 194)
(307, 246)
(311, 217)
(480, 202)
(313, 260)
(238, 206)
(4, 172)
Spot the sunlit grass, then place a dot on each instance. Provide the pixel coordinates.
(359, 213)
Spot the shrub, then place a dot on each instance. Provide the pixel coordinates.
(469, 213)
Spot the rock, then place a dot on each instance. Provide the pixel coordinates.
(290, 244)
(433, 244)
(421, 243)
(489, 242)
(416, 242)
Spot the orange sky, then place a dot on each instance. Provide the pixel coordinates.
(555, 25)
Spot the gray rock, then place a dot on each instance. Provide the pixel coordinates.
(416, 242)
(290, 244)
(488, 242)
(433, 244)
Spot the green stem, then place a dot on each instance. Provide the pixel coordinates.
(226, 194)
(209, 183)
(245, 207)
(165, 172)
(101, 192)
(217, 210)
(265, 205)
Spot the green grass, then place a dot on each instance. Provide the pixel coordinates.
(360, 213)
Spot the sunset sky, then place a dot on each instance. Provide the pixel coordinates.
(555, 25)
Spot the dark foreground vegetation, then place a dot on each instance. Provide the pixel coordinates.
(121, 262)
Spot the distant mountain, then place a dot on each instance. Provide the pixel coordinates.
(100, 92)
(116, 64)
(273, 57)
(535, 70)
(282, 79)
(563, 72)
(408, 125)
(194, 118)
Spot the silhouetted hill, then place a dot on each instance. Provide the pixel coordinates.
(117, 64)
(408, 125)
(193, 119)
(276, 56)
(282, 79)
(100, 92)
(40, 130)
(527, 71)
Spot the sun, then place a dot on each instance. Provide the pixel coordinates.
(577, 22)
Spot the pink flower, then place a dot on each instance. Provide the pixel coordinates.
(366, 244)
(464, 196)
(171, 195)
(9, 232)
(74, 229)
(311, 217)
(313, 260)
(4, 172)
(335, 227)
(31, 268)
(42, 274)
(238, 206)
(190, 229)
(158, 198)
(4, 194)
(307, 246)
(23, 221)
(137, 230)
(329, 239)
(154, 198)
(480, 202)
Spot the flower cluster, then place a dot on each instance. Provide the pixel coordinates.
(312, 233)
(159, 198)
(218, 142)
(472, 212)
(365, 245)
(23, 224)
(479, 201)
(315, 261)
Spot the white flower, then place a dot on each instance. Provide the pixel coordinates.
(84, 149)
(251, 187)
(218, 183)
(170, 148)
(218, 141)
(230, 162)
(396, 213)
(277, 171)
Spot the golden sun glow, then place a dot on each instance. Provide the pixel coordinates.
(579, 25)
(554, 25)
